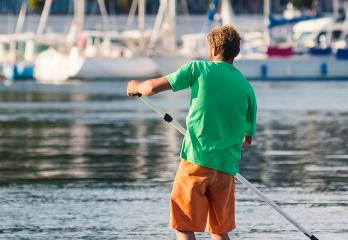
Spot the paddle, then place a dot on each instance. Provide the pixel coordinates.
(169, 119)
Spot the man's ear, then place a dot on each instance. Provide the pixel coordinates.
(237, 53)
(215, 51)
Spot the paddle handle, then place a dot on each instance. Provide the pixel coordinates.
(166, 117)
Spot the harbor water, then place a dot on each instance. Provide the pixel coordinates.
(81, 160)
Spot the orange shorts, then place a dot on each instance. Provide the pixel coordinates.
(202, 195)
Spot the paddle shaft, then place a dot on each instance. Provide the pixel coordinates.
(169, 119)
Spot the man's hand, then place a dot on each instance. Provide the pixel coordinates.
(247, 141)
(132, 88)
(148, 87)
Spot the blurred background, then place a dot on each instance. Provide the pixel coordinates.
(80, 160)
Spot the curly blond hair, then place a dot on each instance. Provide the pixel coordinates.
(227, 41)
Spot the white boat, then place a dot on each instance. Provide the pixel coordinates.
(18, 54)
(104, 68)
(19, 50)
(143, 54)
(51, 66)
(103, 56)
(107, 55)
(96, 54)
(260, 65)
(293, 68)
(133, 53)
(315, 41)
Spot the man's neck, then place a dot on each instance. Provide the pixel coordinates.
(219, 58)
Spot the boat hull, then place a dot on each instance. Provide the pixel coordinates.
(117, 68)
(294, 68)
(56, 67)
(263, 68)
(52, 66)
(18, 71)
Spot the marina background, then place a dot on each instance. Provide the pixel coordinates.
(80, 160)
(118, 11)
(123, 6)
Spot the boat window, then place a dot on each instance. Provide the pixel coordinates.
(305, 36)
(321, 38)
(117, 42)
(20, 47)
(336, 35)
(95, 40)
(6, 47)
(41, 48)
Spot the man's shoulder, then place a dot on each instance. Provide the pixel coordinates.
(197, 66)
(200, 63)
(243, 78)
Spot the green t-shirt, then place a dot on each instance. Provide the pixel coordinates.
(222, 111)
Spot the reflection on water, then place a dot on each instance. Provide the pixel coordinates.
(68, 148)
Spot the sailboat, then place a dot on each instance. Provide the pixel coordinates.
(285, 62)
(20, 49)
(169, 56)
(270, 61)
(94, 54)
(141, 54)
(163, 47)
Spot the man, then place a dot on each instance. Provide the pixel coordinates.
(221, 121)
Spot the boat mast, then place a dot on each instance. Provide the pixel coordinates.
(157, 26)
(170, 42)
(80, 14)
(141, 13)
(44, 16)
(140, 5)
(78, 21)
(141, 22)
(336, 8)
(165, 24)
(131, 14)
(19, 29)
(345, 9)
(21, 18)
(266, 14)
(227, 15)
(104, 14)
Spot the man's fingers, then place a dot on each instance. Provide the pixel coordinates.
(132, 88)
(245, 144)
(130, 91)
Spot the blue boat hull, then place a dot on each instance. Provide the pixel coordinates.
(18, 71)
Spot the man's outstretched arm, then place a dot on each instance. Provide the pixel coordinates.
(148, 87)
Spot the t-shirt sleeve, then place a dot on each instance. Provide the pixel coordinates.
(251, 116)
(182, 78)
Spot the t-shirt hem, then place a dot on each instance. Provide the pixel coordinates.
(202, 164)
(171, 81)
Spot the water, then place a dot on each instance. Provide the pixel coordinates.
(82, 161)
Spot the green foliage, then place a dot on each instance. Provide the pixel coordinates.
(303, 3)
